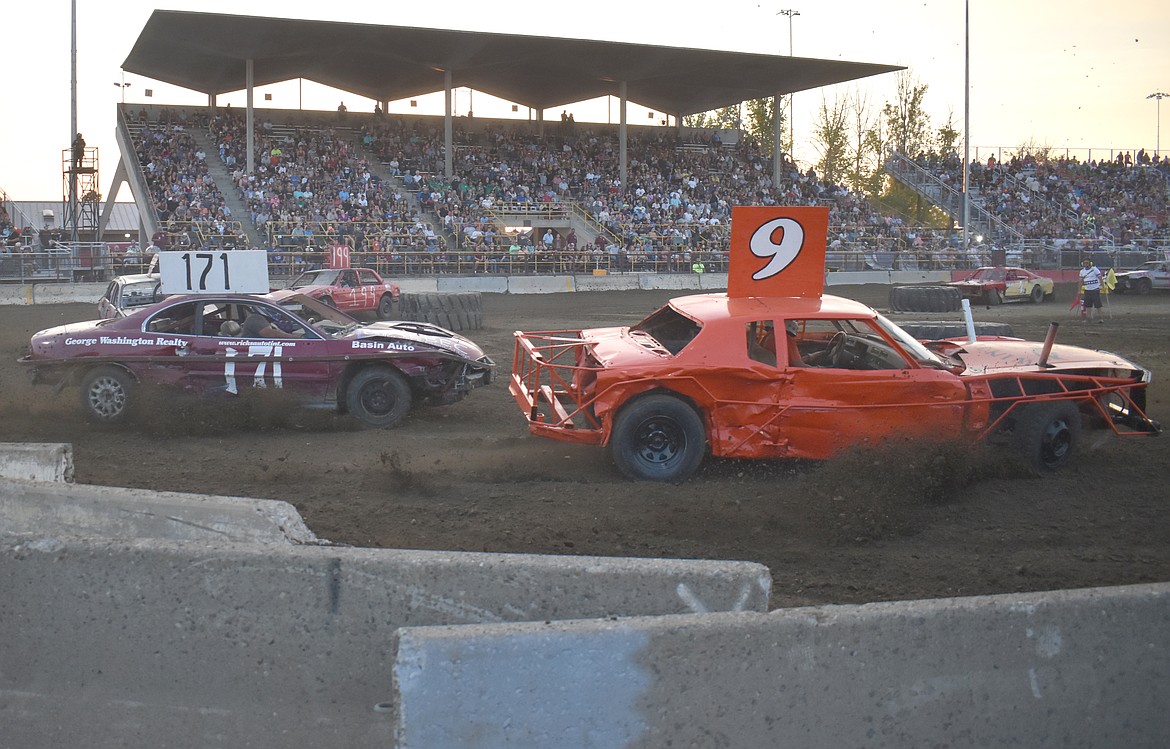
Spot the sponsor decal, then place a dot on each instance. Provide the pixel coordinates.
(383, 345)
(107, 340)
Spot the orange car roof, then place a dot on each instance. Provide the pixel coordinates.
(709, 307)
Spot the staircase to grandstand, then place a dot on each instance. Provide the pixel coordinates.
(949, 200)
(231, 194)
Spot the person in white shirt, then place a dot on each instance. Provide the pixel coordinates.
(1091, 278)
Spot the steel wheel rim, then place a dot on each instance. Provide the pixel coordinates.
(660, 440)
(1056, 441)
(107, 396)
(378, 399)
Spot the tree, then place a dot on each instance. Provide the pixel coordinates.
(729, 118)
(832, 141)
(906, 119)
(761, 113)
(948, 137)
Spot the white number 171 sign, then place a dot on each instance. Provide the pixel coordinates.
(214, 272)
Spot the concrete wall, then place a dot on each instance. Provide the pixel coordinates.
(58, 509)
(36, 461)
(1088, 668)
(155, 643)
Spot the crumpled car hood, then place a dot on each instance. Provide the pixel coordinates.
(408, 333)
(986, 357)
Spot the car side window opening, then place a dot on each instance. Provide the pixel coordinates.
(666, 328)
(827, 344)
(179, 319)
(367, 277)
(348, 279)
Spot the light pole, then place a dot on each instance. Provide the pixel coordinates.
(791, 131)
(1159, 95)
(123, 85)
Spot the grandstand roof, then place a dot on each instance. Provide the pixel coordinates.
(206, 52)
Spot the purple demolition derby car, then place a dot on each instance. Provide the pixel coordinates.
(222, 344)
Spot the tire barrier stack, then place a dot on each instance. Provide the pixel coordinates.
(932, 331)
(925, 299)
(453, 311)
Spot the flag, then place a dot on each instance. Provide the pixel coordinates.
(1110, 281)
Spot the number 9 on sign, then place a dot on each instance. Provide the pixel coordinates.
(781, 255)
(214, 272)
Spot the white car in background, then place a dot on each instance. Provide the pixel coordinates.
(1145, 278)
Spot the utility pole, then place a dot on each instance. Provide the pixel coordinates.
(1159, 95)
(791, 130)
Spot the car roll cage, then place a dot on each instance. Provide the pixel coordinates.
(551, 380)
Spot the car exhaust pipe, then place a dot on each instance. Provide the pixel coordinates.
(967, 318)
(1048, 341)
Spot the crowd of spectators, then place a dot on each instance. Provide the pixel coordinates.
(187, 200)
(319, 184)
(1120, 201)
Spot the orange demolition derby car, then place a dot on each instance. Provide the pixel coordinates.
(801, 374)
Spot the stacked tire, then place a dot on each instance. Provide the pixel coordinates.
(933, 331)
(454, 311)
(925, 299)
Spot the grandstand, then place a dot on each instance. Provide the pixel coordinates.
(416, 195)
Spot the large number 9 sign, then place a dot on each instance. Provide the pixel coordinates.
(777, 251)
(780, 255)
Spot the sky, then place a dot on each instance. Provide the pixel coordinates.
(1069, 74)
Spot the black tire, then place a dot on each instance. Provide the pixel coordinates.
(658, 438)
(1144, 286)
(1046, 434)
(1037, 294)
(456, 311)
(107, 392)
(378, 397)
(993, 297)
(385, 307)
(925, 298)
(933, 331)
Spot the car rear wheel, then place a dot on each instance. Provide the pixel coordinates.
(378, 397)
(1047, 434)
(385, 307)
(658, 438)
(106, 394)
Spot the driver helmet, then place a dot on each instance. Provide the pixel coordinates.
(793, 327)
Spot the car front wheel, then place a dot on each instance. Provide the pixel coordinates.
(658, 438)
(385, 307)
(379, 397)
(1037, 293)
(106, 394)
(1047, 434)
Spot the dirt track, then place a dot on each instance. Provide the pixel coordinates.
(468, 476)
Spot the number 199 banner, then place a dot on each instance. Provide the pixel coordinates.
(777, 251)
(218, 272)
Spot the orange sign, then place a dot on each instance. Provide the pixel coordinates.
(777, 251)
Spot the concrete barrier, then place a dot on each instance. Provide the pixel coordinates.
(1087, 668)
(484, 284)
(198, 644)
(36, 461)
(418, 285)
(62, 293)
(41, 509)
(15, 294)
(609, 282)
(540, 284)
(680, 282)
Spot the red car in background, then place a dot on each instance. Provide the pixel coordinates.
(349, 289)
(996, 285)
